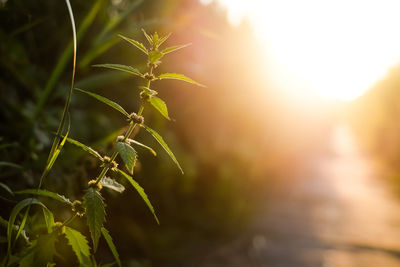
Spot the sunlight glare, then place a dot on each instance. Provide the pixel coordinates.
(341, 47)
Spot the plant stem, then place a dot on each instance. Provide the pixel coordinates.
(131, 128)
(68, 221)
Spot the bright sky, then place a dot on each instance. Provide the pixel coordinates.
(339, 47)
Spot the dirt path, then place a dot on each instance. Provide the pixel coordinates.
(339, 214)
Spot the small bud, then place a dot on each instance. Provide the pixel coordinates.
(136, 118)
(144, 96)
(93, 184)
(78, 208)
(149, 76)
(120, 138)
(59, 228)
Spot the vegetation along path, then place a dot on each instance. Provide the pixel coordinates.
(339, 213)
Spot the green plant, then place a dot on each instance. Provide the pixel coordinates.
(39, 246)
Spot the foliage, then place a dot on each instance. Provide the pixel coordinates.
(41, 248)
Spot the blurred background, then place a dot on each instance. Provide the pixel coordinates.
(291, 152)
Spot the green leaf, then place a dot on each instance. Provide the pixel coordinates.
(149, 39)
(49, 219)
(131, 141)
(15, 211)
(55, 154)
(164, 145)
(141, 192)
(120, 67)
(41, 252)
(10, 164)
(173, 48)
(5, 187)
(111, 245)
(155, 56)
(79, 245)
(105, 101)
(138, 45)
(163, 39)
(45, 193)
(160, 105)
(85, 148)
(95, 214)
(128, 155)
(155, 39)
(176, 76)
(112, 184)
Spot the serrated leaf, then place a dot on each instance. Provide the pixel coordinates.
(120, 67)
(176, 76)
(15, 211)
(6, 188)
(155, 56)
(128, 155)
(173, 48)
(141, 192)
(164, 145)
(85, 148)
(131, 141)
(149, 39)
(137, 44)
(79, 245)
(160, 105)
(112, 184)
(45, 193)
(41, 252)
(95, 214)
(111, 245)
(105, 101)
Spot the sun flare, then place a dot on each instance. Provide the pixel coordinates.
(340, 48)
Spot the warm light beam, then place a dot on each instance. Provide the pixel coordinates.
(340, 48)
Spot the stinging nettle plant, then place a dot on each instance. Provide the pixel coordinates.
(41, 251)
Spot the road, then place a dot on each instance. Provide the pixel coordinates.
(340, 213)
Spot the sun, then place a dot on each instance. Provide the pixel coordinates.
(341, 48)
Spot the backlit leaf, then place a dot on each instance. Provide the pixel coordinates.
(112, 184)
(95, 214)
(111, 245)
(160, 105)
(128, 155)
(163, 39)
(85, 148)
(120, 67)
(131, 141)
(149, 39)
(137, 44)
(105, 101)
(45, 193)
(79, 245)
(164, 145)
(155, 56)
(141, 192)
(173, 48)
(176, 76)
